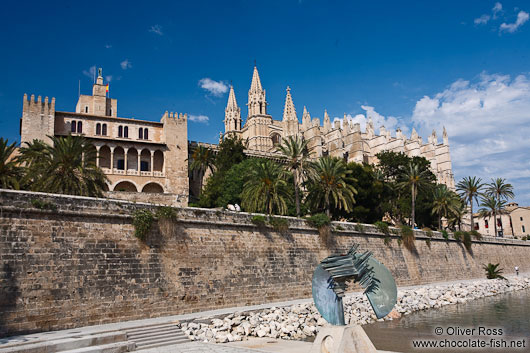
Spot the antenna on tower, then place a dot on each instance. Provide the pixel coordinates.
(79, 90)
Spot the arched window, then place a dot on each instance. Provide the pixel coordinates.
(126, 132)
(140, 133)
(104, 130)
(120, 131)
(86, 109)
(73, 126)
(98, 129)
(79, 127)
(146, 134)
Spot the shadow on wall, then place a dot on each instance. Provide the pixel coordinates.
(8, 299)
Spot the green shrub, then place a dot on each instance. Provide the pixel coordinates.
(524, 238)
(43, 205)
(399, 241)
(142, 221)
(259, 220)
(428, 242)
(445, 234)
(429, 233)
(458, 235)
(382, 227)
(476, 234)
(339, 227)
(319, 220)
(279, 224)
(387, 240)
(166, 212)
(359, 228)
(407, 235)
(466, 239)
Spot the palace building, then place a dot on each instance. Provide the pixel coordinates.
(143, 160)
(262, 133)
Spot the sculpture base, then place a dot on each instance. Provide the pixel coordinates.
(342, 339)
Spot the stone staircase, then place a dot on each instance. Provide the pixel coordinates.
(127, 339)
(108, 342)
(156, 336)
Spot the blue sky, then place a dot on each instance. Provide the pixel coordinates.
(462, 64)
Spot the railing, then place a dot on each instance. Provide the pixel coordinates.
(133, 172)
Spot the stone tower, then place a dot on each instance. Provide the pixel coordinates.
(257, 124)
(175, 134)
(38, 119)
(290, 120)
(232, 114)
(97, 103)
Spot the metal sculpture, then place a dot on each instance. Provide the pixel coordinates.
(330, 280)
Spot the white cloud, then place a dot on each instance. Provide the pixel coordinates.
(108, 78)
(389, 122)
(522, 17)
(496, 9)
(488, 123)
(216, 88)
(126, 64)
(90, 73)
(482, 20)
(156, 29)
(199, 118)
(108, 46)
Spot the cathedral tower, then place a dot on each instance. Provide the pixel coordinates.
(290, 120)
(232, 114)
(257, 105)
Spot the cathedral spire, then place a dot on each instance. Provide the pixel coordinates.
(445, 137)
(289, 112)
(255, 86)
(327, 122)
(232, 113)
(257, 104)
(232, 103)
(306, 119)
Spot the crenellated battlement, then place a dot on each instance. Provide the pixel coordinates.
(45, 107)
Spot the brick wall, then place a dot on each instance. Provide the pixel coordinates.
(79, 263)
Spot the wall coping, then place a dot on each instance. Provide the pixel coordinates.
(16, 201)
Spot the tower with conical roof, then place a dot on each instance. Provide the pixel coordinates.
(232, 114)
(257, 104)
(290, 120)
(256, 129)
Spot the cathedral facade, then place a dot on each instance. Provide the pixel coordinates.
(346, 140)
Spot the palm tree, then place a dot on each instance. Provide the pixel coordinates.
(469, 189)
(33, 156)
(329, 185)
(295, 153)
(266, 189)
(68, 166)
(501, 190)
(417, 180)
(203, 159)
(455, 218)
(445, 202)
(493, 271)
(491, 206)
(10, 171)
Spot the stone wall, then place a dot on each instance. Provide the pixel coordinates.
(73, 261)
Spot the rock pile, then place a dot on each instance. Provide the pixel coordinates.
(300, 321)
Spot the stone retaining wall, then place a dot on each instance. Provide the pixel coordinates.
(73, 261)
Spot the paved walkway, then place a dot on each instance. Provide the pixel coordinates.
(197, 347)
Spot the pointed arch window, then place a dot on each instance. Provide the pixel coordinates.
(104, 130)
(120, 131)
(146, 134)
(79, 127)
(98, 129)
(125, 131)
(73, 126)
(140, 133)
